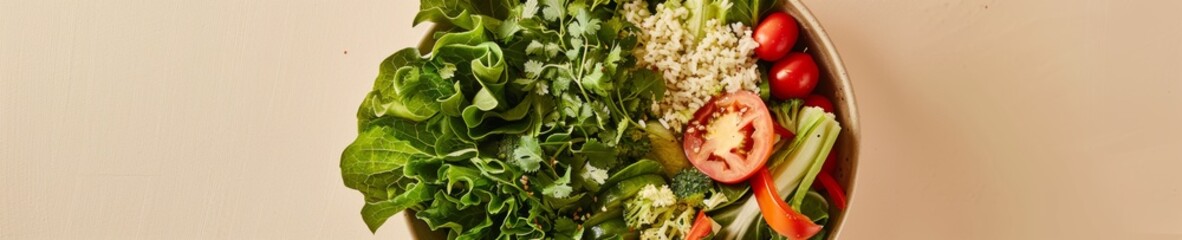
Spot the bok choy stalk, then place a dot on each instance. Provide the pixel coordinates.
(702, 11)
(793, 169)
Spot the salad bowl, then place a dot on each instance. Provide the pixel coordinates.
(834, 83)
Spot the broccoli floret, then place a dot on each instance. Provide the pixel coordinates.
(648, 205)
(691, 183)
(786, 113)
(676, 226)
(656, 212)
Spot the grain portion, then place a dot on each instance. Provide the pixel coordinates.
(694, 70)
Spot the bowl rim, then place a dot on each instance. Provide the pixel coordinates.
(850, 138)
(835, 74)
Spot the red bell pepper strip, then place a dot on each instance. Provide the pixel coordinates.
(833, 189)
(703, 225)
(781, 218)
(785, 135)
(830, 162)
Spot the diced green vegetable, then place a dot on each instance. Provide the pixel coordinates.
(638, 168)
(610, 229)
(617, 194)
(666, 149)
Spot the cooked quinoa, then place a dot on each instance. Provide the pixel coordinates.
(694, 70)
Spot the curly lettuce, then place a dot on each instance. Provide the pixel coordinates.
(510, 126)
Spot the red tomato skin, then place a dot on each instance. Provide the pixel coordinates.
(763, 137)
(795, 76)
(776, 35)
(815, 100)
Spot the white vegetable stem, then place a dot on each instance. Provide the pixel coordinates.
(816, 133)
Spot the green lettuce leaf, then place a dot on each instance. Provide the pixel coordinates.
(404, 88)
(376, 213)
(461, 13)
(373, 163)
(455, 12)
(433, 130)
(815, 207)
(485, 66)
(483, 123)
(460, 223)
(749, 12)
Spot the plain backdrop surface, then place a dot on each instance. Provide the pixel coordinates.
(982, 119)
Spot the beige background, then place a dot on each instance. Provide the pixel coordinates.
(982, 119)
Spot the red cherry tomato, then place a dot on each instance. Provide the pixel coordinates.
(731, 137)
(776, 35)
(814, 100)
(795, 76)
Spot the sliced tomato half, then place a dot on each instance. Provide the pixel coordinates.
(731, 137)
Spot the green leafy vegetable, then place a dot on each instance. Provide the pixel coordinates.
(372, 161)
(815, 207)
(559, 188)
(458, 12)
(749, 12)
(376, 213)
(527, 155)
(521, 118)
(638, 168)
(403, 89)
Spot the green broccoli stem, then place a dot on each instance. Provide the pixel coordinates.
(787, 112)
